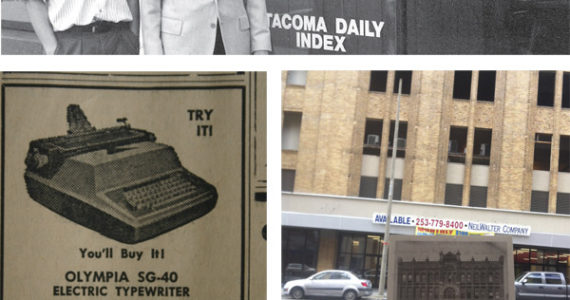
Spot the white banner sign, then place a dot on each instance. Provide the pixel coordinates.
(441, 223)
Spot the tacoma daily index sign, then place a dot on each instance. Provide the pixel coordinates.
(443, 223)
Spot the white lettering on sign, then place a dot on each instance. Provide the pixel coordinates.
(298, 22)
(317, 41)
(359, 27)
(312, 31)
(439, 223)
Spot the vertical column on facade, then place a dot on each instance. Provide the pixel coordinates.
(327, 148)
(517, 152)
(555, 145)
(497, 140)
(293, 100)
(411, 140)
(284, 75)
(336, 130)
(526, 194)
(328, 247)
(470, 140)
(429, 102)
(443, 149)
(308, 137)
(386, 118)
(355, 165)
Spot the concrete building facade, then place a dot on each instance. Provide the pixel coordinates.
(486, 145)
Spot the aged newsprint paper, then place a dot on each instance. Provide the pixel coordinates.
(133, 185)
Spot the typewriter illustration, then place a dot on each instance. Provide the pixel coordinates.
(117, 181)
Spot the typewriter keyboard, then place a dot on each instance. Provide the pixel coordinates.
(157, 193)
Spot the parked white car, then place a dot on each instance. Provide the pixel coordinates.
(331, 283)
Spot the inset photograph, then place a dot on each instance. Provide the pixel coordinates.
(468, 155)
(131, 27)
(136, 185)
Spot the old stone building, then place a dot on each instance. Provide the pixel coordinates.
(483, 146)
(450, 277)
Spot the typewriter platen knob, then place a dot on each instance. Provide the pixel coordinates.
(36, 160)
(123, 120)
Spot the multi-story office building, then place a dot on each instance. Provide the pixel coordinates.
(488, 150)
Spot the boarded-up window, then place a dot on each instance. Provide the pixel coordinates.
(539, 201)
(453, 194)
(368, 186)
(378, 81)
(287, 180)
(462, 85)
(486, 86)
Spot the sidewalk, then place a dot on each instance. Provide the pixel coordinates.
(375, 295)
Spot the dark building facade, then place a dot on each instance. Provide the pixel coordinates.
(420, 27)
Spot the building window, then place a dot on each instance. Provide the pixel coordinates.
(546, 80)
(486, 86)
(462, 85)
(539, 201)
(372, 137)
(361, 254)
(482, 146)
(542, 143)
(479, 169)
(527, 259)
(297, 78)
(453, 194)
(401, 141)
(455, 168)
(566, 90)
(368, 186)
(351, 254)
(400, 154)
(370, 159)
(287, 180)
(564, 158)
(291, 130)
(397, 188)
(563, 195)
(378, 81)
(457, 144)
(406, 77)
(563, 203)
(299, 250)
(541, 173)
(478, 196)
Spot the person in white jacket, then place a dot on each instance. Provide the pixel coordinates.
(205, 27)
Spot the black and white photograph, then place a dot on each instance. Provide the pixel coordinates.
(132, 27)
(156, 27)
(451, 268)
(133, 185)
